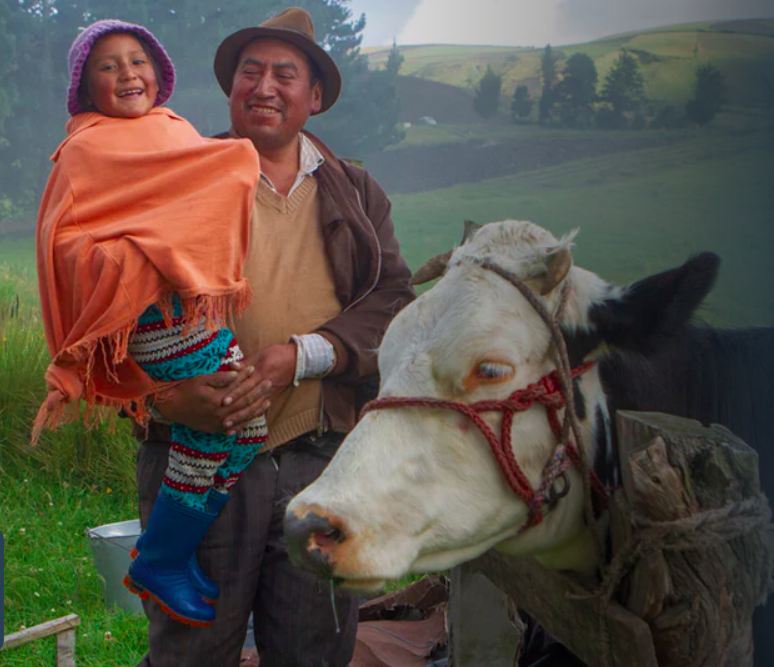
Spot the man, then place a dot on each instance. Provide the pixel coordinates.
(327, 276)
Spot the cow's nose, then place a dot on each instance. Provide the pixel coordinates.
(312, 540)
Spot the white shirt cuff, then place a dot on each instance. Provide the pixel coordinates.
(315, 357)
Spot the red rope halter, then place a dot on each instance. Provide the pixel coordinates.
(547, 391)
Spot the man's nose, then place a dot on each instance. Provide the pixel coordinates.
(266, 86)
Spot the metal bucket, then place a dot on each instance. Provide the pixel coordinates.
(112, 545)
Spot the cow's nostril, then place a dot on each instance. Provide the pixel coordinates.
(328, 538)
(311, 540)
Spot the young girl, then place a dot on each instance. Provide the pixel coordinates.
(142, 234)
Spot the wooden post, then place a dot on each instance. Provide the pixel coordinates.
(601, 634)
(698, 571)
(485, 630)
(63, 628)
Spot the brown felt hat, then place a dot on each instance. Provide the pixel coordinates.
(294, 26)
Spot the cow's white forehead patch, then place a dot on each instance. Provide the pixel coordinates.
(519, 246)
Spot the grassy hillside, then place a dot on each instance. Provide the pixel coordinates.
(669, 57)
(639, 211)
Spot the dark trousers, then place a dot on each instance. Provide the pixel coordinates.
(244, 553)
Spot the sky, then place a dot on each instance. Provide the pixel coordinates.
(535, 22)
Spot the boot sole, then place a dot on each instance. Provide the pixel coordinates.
(134, 553)
(145, 594)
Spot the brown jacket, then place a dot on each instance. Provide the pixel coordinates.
(371, 279)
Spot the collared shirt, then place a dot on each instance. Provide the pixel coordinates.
(315, 355)
(310, 159)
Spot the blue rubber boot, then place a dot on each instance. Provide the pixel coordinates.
(202, 584)
(161, 569)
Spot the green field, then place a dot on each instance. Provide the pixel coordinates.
(638, 212)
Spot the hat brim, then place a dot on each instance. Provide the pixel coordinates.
(227, 55)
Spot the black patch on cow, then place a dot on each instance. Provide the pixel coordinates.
(655, 308)
(580, 344)
(579, 401)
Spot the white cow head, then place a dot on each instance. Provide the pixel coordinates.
(416, 489)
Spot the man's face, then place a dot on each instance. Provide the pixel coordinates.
(271, 95)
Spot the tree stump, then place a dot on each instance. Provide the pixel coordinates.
(691, 532)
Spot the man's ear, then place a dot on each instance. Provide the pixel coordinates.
(317, 92)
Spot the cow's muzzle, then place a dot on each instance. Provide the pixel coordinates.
(313, 540)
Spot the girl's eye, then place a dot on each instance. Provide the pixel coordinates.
(494, 370)
(139, 62)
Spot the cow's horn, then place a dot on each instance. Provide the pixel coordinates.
(434, 267)
(558, 263)
(470, 229)
(431, 269)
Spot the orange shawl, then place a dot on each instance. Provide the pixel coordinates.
(135, 209)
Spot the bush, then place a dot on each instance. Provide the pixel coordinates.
(607, 118)
(667, 118)
(639, 122)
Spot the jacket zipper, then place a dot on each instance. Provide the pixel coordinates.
(379, 255)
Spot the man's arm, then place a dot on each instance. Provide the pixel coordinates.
(357, 332)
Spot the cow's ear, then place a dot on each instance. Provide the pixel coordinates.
(656, 308)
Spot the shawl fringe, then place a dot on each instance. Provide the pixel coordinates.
(210, 312)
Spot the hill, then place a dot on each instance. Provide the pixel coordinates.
(742, 50)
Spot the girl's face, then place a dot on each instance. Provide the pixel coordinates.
(120, 78)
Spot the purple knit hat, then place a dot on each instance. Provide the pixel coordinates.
(79, 53)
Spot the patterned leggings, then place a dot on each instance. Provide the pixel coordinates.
(198, 461)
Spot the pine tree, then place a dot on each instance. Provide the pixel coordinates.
(577, 90)
(487, 97)
(624, 85)
(709, 95)
(394, 60)
(521, 106)
(548, 96)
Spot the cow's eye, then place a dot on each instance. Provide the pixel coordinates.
(494, 371)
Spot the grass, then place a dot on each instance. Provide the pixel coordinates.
(49, 495)
(639, 213)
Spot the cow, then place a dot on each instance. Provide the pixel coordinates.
(430, 484)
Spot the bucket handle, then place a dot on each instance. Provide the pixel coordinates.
(95, 535)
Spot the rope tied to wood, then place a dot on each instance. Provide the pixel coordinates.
(702, 530)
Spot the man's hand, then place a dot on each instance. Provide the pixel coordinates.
(275, 364)
(198, 403)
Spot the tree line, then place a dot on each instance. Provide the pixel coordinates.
(35, 36)
(570, 96)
